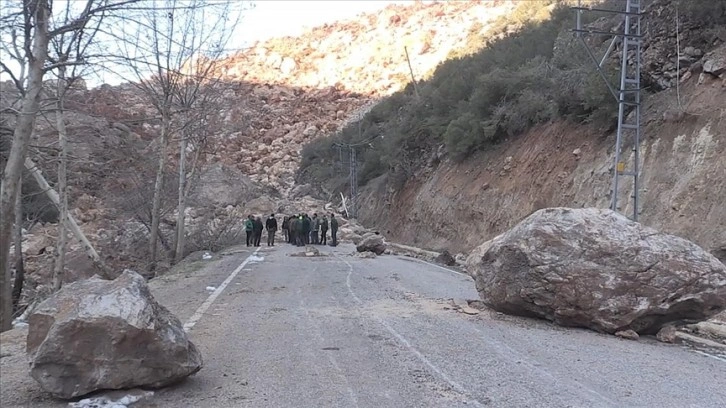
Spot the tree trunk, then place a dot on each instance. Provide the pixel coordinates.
(19, 265)
(179, 250)
(158, 188)
(14, 166)
(62, 182)
(71, 223)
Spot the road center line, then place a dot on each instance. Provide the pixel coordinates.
(203, 308)
(456, 386)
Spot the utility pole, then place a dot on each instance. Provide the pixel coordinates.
(353, 183)
(627, 94)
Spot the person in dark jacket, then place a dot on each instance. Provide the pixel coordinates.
(306, 229)
(271, 226)
(333, 230)
(315, 232)
(249, 229)
(285, 228)
(298, 238)
(258, 227)
(324, 230)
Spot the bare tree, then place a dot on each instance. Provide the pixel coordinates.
(163, 48)
(29, 26)
(19, 265)
(69, 53)
(199, 101)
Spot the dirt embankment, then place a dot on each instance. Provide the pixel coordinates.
(683, 181)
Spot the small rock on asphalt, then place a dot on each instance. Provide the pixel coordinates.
(628, 334)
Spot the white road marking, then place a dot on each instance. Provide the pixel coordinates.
(456, 386)
(710, 355)
(457, 273)
(203, 308)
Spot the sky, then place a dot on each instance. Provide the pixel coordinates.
(276, 18)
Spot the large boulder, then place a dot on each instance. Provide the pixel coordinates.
(372, 242)
(597, 269)
(97, 334)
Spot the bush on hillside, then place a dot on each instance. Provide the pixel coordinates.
(532, 71)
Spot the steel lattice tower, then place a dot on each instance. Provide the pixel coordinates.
(627, 94)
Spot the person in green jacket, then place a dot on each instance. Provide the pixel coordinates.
(249, 229)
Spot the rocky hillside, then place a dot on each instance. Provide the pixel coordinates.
(367, 55)
(527, 123)
(276, 97)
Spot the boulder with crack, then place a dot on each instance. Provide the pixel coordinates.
(372, 242)
(595, 268)
(97, 334)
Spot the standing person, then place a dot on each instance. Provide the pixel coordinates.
(271, 226)
(324, 230)
(316, 229)
(333, 230)
(249, 229)
(285, 228)
(306, 229)
(300, 235)
(258, 227)
(292, 229)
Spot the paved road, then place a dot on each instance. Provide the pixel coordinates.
(339, 331)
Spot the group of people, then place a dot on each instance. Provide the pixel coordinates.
(299, 230)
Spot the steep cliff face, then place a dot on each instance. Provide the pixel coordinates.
(683, 181)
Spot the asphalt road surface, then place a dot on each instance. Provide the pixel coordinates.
(340, 331)
(278, 330)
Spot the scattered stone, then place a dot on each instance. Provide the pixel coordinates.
(595, 268)
(720, 253)
(710, 329)
(700, 342)
(98, 334)
(577, 152)
(462, 306)
(311, 251)
(627, 334)
(693, 52)
(355, 238)
(372, 242)
(715, 61)
(667, 334)
(445, 258)
(365, 255)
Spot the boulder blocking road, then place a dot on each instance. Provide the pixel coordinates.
(340, 331)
